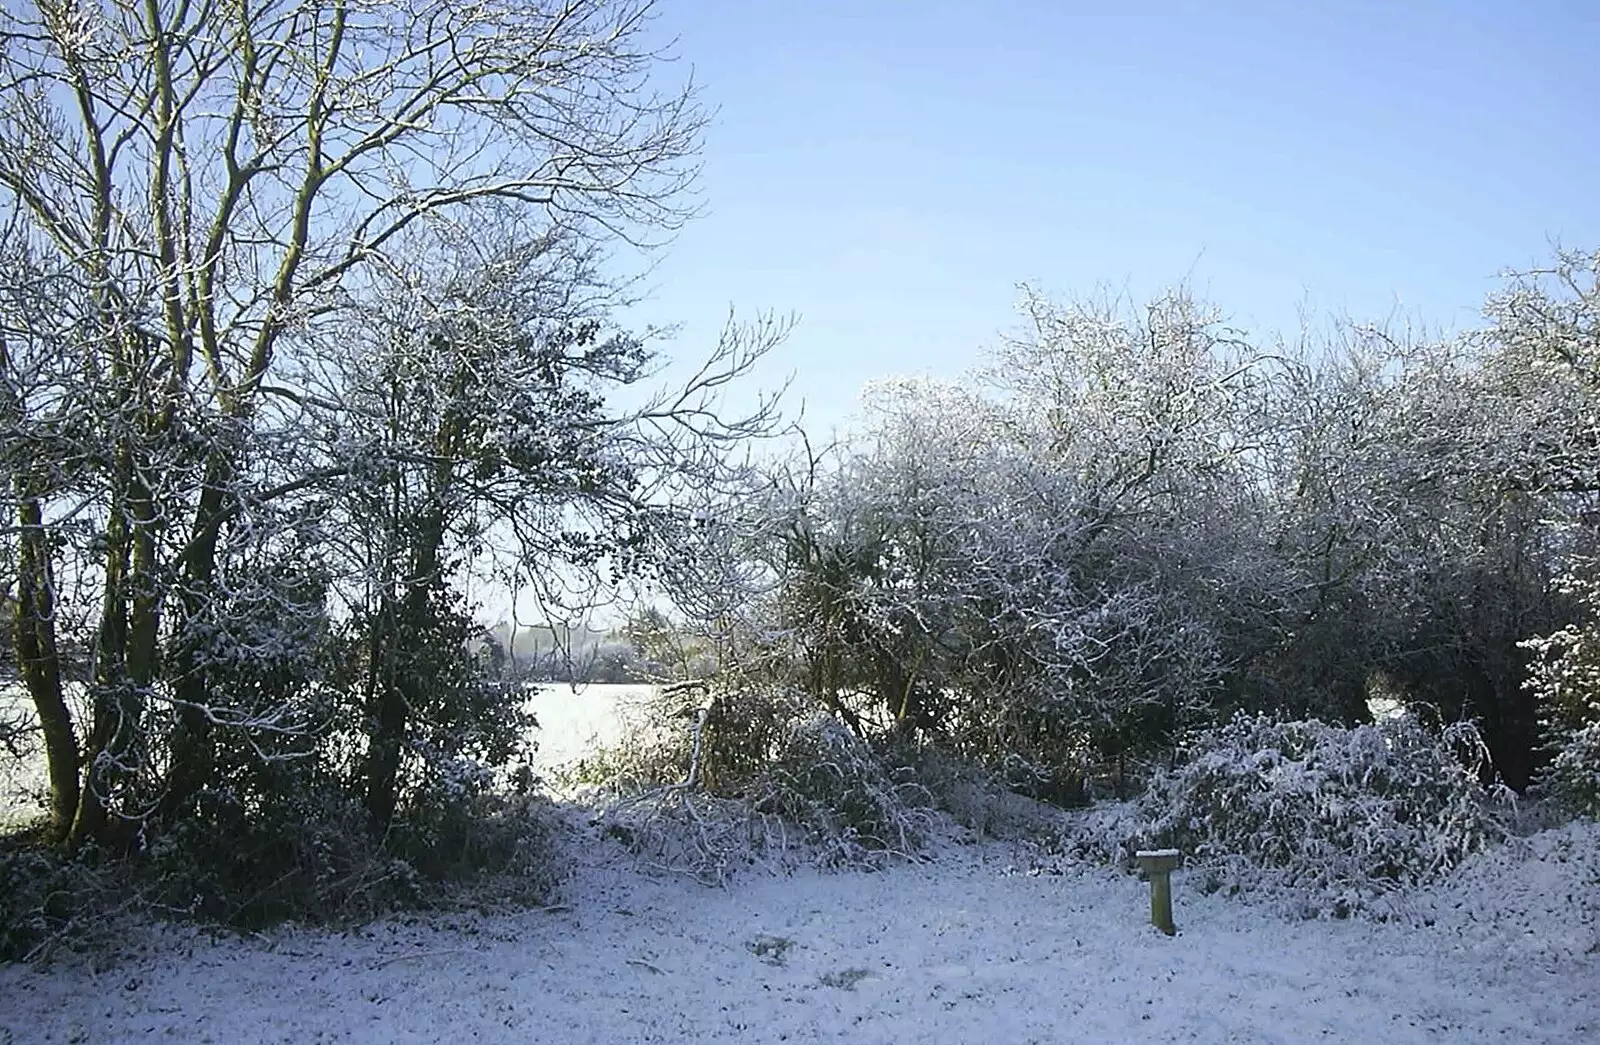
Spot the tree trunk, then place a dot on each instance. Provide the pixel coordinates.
(105, 706)
(397, 689)
(193, 742)
(40, 663)
(125, 662)
(403, 623)
(388, 740)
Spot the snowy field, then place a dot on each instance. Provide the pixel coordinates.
(970, 947)
(573, 722)
(22, 781)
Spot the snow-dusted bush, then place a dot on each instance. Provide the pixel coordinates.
(496, 846)
(1564, 677)
(1006, 579)
(41, 897)
(305, 857)
(747, 775)
(1573, 775)
(982, 801)
(1333, 816)
(847, 796)
(308, 857)
(741, 728)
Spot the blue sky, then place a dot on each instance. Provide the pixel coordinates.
(891, 170)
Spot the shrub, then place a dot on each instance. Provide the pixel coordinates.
(706, 780)
(980, 800)
(1334, 817)
(309, 857)
(1564, 676)
(43, 897)
(1573, 776)
(853, 803)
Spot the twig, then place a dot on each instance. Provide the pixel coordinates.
(422, 954)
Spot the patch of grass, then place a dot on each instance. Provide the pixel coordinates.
(770, 949)
(844, 979)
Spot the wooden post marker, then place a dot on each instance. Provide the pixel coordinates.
(1158, 864)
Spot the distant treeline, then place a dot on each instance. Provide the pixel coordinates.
(560, 653)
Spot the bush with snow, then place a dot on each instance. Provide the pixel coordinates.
(1573, 775)
(1564, 677)
(309, 859)
(854, 803)
(1329, 817)
(706, 780)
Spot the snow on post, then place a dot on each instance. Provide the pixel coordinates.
(1158, 864)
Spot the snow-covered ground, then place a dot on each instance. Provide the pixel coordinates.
(965, 949)
(969, 947)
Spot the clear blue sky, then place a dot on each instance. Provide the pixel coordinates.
(891, 169)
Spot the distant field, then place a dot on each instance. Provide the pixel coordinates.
(21, 780)
(571, 724)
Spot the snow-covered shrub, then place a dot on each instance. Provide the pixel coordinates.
(47, 899)
(1573, 775)
(1334, 816)
(1564, 677)
(704, 836)
(221, 862)
(852, 803)
(307, 856)
(969, 795)
(495, 843)
(706, 781)
(1105, 833)
(740, 730)
(310, 856)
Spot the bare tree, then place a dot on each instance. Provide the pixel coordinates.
(1025, 566)
(205, 185)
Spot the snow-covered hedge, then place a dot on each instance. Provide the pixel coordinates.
(1329, 816)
